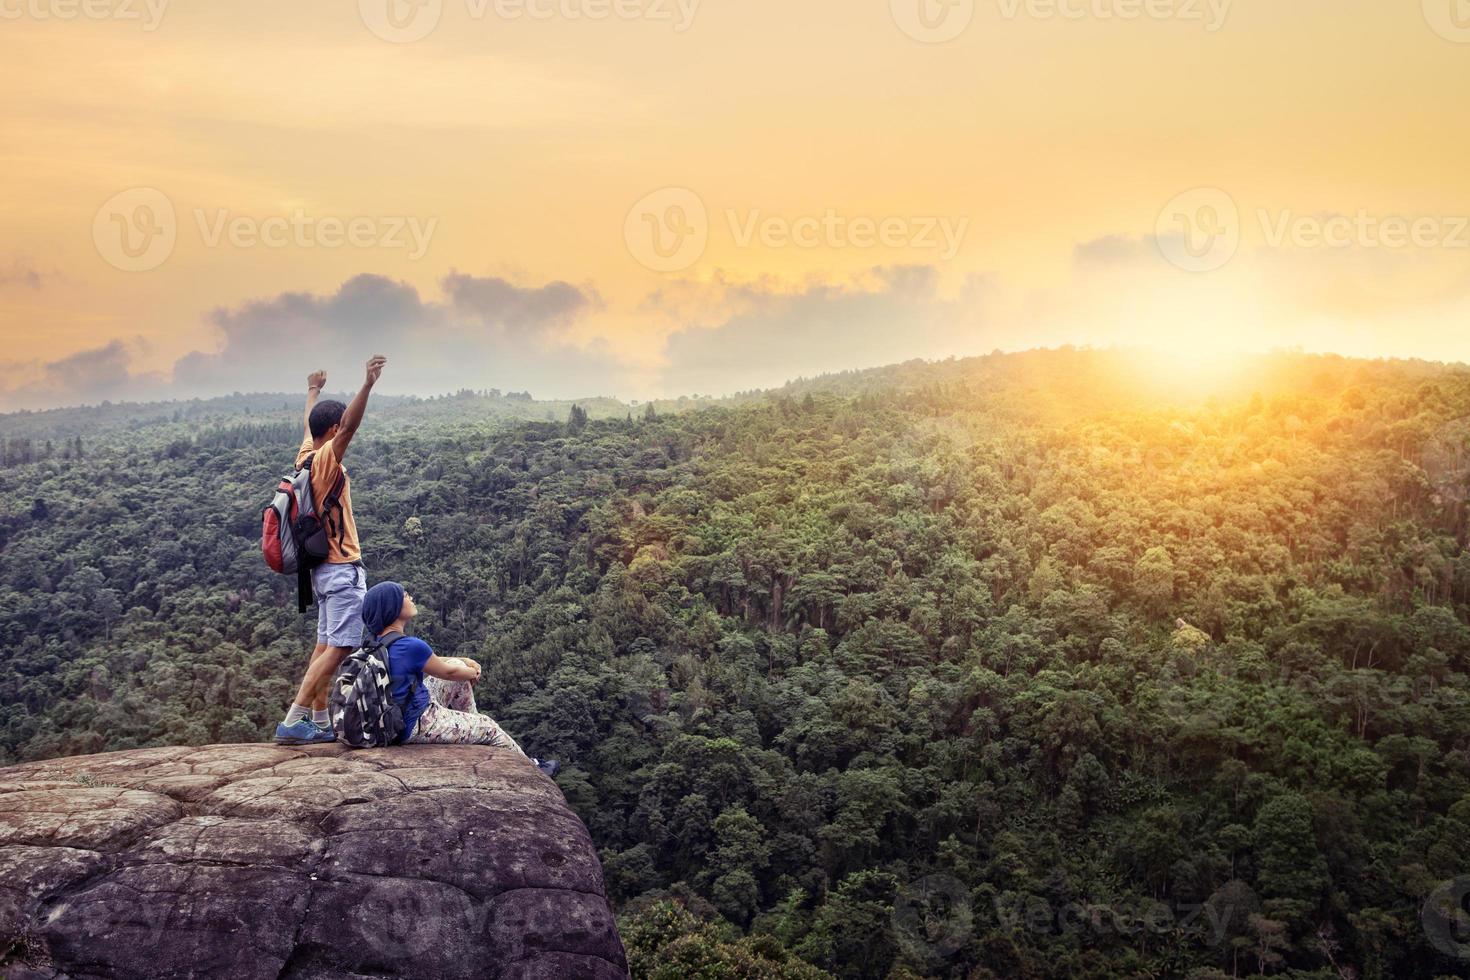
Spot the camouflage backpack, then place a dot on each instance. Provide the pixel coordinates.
(365, 715)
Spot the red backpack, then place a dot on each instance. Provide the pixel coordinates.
(293, 532)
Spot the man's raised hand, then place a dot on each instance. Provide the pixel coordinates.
(375, 368)
(317, 380)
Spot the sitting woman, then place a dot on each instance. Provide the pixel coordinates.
(442, 709)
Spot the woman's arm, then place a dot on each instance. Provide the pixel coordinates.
(452, 669)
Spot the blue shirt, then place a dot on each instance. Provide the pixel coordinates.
(406, 659)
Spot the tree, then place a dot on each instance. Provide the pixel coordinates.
(1292, 872)
(1153, 580)
(577, 420)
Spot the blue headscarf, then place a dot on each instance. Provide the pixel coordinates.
(381, 606)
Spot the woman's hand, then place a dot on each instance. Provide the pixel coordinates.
(472, 668)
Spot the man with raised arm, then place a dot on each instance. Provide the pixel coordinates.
(340, 582)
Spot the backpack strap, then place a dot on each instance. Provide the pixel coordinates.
(333, 500)
(384, 642)
(387, 640)
(304, 595)
(334, 496)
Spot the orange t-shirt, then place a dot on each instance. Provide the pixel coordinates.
(324, 470)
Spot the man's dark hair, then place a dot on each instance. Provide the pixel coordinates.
(324, 415)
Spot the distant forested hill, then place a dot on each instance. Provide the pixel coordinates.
(1044, 665)
(36, 428)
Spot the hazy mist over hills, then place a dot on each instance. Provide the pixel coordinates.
(1168, 377)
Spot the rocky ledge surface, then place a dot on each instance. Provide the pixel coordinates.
(255, 861)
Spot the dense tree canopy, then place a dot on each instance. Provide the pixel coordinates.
(1007, 667)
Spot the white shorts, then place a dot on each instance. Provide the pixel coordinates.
(339, 590)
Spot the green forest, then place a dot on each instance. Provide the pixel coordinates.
(1021, 666)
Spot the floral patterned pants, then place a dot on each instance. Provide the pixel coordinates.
(451, 718)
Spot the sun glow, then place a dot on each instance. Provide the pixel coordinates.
(1203, 365)
(1191, 373)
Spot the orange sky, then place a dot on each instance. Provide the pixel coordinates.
(851, 188)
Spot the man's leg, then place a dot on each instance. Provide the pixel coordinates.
(301, 693)
(339, 594)
(317, 683)
(300, 706)
(338, 590)
(302, 726)
(319, 704)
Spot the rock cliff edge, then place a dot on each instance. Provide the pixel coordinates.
(255, 861)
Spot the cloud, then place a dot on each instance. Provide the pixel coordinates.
(486, 332)
(498, 303)
(260, 337)
(21, 274)
(770, 336)
(483, 332)
(719, 335)
(1113, 250)
(1361, 282)
(99, 369)
(1345, 297)
(85, 377)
